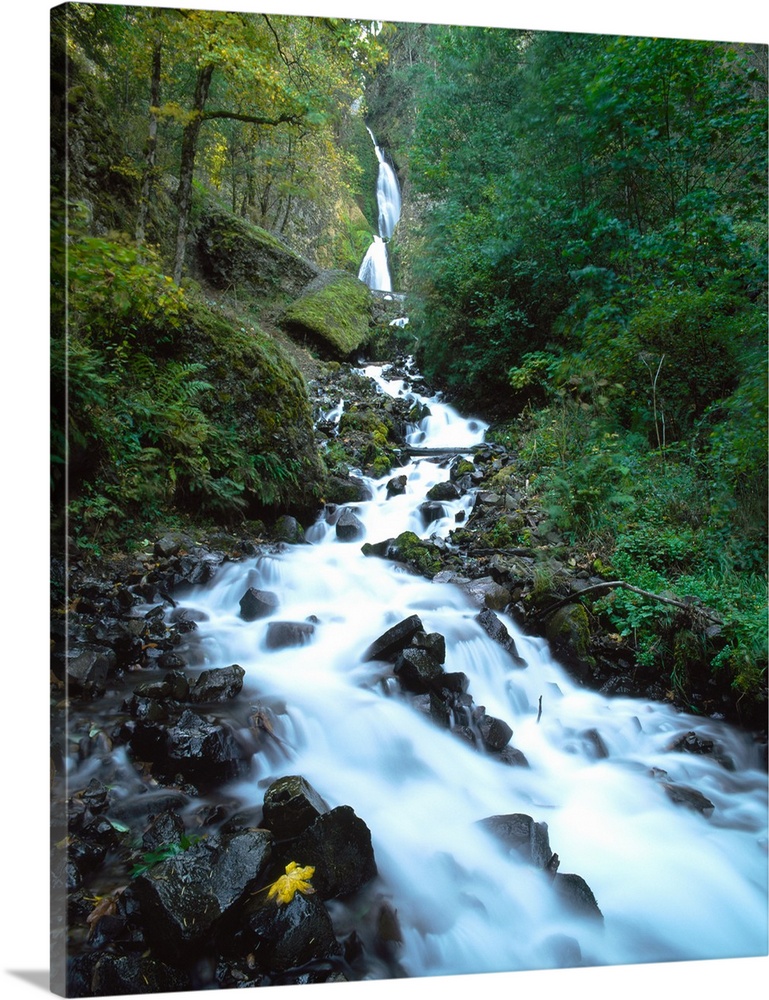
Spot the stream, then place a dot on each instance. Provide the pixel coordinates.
(672, 883)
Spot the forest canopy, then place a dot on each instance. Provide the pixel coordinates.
(583, 249)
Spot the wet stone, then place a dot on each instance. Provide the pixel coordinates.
(349, 527)
(521, 834)
(433, 643)
(495, 733)
(219, 684)
(291, 804)
(496, 630)
(338, 846)
(445, 491)
(690, 798)
(486, 592)
(512, 757)
(396, 486)
(281, 635)
(256, 604)
(135, 973)
(394, 640)
(431, 511)
(576, 895)
(88, 668)
(201, 749)
(183, 898)
(279, 938)
(417, 670)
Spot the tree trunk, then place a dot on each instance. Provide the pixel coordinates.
(187, 166)
(149, 163)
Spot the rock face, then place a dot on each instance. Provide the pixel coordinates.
(338, 846)
(186, 897)
(232, 251)
(349, 526)
(334, 312)
(257, 604)
(291, 804)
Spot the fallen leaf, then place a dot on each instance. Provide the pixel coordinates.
(295, 880)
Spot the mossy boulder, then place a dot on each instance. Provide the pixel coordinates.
(233, 252)
(419, 555)
(263, 413)
(568, 632)
(333, 313)
(370, 440)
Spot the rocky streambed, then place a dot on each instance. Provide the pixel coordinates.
(164, 878)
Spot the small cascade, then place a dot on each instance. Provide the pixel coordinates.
(375, 268)
(673, 883)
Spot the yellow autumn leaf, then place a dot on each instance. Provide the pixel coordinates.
(295, 880)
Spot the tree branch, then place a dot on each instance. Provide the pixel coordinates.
(290, 119)
(612, 584)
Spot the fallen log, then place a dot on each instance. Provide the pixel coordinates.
(614, 584)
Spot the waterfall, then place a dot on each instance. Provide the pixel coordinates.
(673, 884)
(375, 268)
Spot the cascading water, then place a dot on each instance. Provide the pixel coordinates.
(672, 884)
(375, 268)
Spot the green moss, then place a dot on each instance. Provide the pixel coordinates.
(462, 468)
(368, 441)
(568, 629)
(334, 313)
(420, 556)
(233, 252)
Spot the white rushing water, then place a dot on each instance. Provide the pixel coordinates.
(671, 883)
(375, 268)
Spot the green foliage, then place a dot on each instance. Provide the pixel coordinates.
(151, 858)
(627, 216)
(146, 437)
(335, 316)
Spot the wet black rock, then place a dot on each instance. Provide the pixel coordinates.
(256, 604)
(522, 835)
(349, 526)
(511, 756)
(202, 750)
(282, 635)
(431, 511)
(444, 491)
(165, 828)
(112, 975)
(186, 897)
(278, 939)
(496, 630)
(691, 742)
(219, 684)
(171, 661)
(338, 846)
(690, 798)
(396, 486)
(455, 682)
(495, 733)
(432, 642)
(417, 670)
(394, 640)
(291, 804)
(88, 668)
(576, 895)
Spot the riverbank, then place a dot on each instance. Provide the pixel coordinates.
(156, 744)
